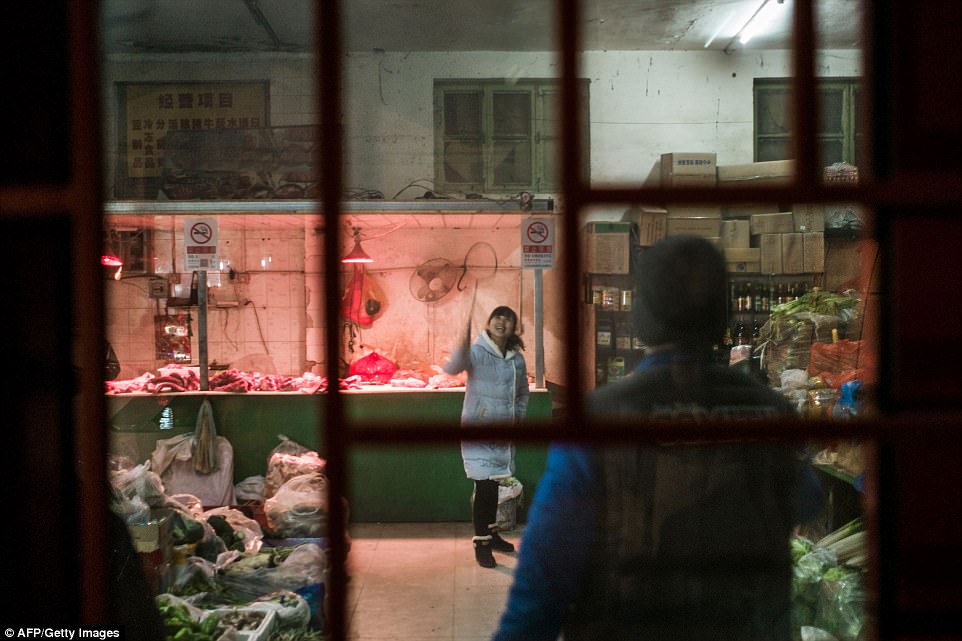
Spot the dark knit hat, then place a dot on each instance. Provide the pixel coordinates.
(681, 293)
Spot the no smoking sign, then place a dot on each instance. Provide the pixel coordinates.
(537, 243)
(200, 243)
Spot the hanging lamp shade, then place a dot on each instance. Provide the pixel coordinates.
(111, 256)
(357, 255)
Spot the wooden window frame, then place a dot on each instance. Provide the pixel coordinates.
(848, 125)
(539, 134)
(911, 179)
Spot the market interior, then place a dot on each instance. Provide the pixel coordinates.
(216, 300)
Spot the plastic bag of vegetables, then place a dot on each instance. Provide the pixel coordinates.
(787, 335)
(299, 508)
(186, 622)
(291, 609)
(807, 571)
(268, 572)
(841, 603)
(237, 530)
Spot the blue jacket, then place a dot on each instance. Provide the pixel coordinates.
(496, 391)
(564, 530)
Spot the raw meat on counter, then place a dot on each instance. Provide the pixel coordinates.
(183, 379)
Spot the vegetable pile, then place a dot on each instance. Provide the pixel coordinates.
(181, 625)
(817, 301)
(827, 583)
(787, 336)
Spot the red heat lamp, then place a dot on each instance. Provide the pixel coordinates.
(357, 254)
(109, 260)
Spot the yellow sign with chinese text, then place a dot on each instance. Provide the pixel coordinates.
(153, 109)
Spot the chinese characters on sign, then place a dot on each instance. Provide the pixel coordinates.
(537, 243)
(200, 243)
(152, 110)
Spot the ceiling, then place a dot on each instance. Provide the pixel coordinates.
(231, 26)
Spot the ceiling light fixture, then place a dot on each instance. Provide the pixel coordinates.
(357, 255)
(755, 24)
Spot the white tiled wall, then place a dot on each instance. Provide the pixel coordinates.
(260, 324)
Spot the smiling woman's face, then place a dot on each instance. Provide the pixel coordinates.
(500, 328)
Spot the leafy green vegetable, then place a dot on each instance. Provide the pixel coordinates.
(185, 529)
(296, 635)
(816, 301)
(800, 547)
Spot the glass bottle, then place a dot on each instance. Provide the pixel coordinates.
(747, 297)
(603, 335)
(740, 338)
(623, 336)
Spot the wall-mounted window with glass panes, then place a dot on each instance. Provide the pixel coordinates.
(838, 127)
(493, 136)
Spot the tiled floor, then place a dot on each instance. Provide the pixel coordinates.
(420, 582)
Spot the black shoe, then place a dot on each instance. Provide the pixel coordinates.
(482, 553)
(500, 545)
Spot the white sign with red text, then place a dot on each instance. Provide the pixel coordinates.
(200, 243)
(537, 243)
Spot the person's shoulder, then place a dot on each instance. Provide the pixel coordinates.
(740, 386)
(613, 398)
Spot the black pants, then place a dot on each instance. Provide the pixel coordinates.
(485, 512)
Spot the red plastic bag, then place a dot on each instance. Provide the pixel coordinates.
(373, 368)
(836, 380)
(836, 358)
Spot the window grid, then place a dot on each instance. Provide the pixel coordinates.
(519, 157)
(577, 194)
(837, 132)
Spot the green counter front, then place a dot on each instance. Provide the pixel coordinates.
(386, 483)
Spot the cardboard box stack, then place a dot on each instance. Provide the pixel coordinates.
(772, 172)
(608, 247)
(756, 238)
(652, 223)
(790, 242)
(787, 242)
(690, 169)
(687, 169)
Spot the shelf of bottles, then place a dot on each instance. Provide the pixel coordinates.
(617, 347)
(751, 299)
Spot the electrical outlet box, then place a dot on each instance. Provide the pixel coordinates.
(242, 278)
(157, 288)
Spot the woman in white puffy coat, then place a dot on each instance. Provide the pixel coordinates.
(497, 391)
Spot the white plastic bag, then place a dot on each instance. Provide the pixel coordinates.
(250, 489)
(172, 459)
(299, 507)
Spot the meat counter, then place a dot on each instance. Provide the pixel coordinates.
(385, 483)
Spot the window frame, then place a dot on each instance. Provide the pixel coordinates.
(541, 91)
(848, 124)
(900, 188)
